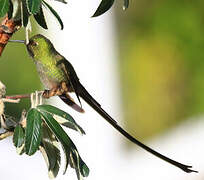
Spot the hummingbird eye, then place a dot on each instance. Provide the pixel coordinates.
(33, 43)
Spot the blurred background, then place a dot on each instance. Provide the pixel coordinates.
(145, 66)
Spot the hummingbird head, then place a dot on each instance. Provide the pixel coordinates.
(39, 46)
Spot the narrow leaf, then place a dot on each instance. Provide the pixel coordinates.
(10, 10)
(54, 13)
(33, 131)
(126, 4)
(40, 18)
(34, 6)
(104, 6)
(60, 134)
(75, 164)
(25, 13)
(18, 137)
(4, 7)
(79, 164)
(50, 145)
(66, 119)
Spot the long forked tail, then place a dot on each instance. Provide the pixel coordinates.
(97, 107)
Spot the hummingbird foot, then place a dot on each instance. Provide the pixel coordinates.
(56, 90)
(52, 92)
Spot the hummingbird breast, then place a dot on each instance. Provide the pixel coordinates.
(50, 75)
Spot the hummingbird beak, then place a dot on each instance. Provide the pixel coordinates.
(17, 41)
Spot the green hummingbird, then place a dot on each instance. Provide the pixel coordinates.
(59, 78)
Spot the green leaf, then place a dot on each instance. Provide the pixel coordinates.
(4, 7)
(60, 134)
(10, 10)
(126, 4)
(25, 13)
(75, 164)
(66, 119)
(78, 164)
(51, 148)
(33, 131)
(40, 18)
(54, 13)
(104, 6)
(83, 168)
(18, 136)
(34, 6)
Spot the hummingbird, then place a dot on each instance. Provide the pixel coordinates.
(59, 78)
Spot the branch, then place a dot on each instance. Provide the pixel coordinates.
(24, 96)
(19, 96)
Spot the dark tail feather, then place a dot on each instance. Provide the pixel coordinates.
(71, 103)
(97, 107)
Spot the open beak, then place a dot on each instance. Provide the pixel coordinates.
(17, 41)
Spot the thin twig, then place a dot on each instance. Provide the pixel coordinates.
(19, 96)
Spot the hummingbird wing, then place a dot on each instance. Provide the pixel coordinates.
(66, 67)
(83, 93)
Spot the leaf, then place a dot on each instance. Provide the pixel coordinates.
(50, 146)
(84, 170)
(60, 134)
(4, 7)
(34, 6)
(126, 4)
(33, 131)
(40, 18)
(10, 10)
(104, 6)
(54, 13)
(25, 13)
(75, 164)
(18, 136)
(79, 165)
(66, 119)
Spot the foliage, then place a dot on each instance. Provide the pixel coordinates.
(36, 8)
(43, 131)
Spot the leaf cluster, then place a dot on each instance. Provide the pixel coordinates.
(36, 8)
(29, 8)
(44, 132)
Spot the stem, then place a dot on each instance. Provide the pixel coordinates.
(24, 96)
(20, 96)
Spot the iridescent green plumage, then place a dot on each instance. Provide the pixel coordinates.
(46, 57)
